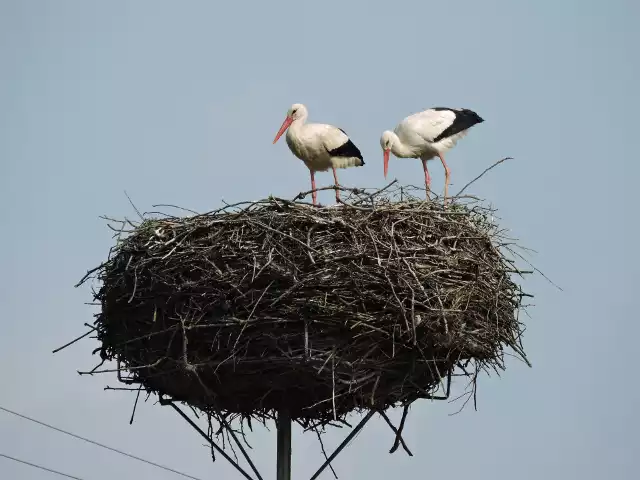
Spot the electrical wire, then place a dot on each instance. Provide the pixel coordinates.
(40, 467)
(97, 444)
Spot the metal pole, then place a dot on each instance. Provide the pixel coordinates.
(283, 425)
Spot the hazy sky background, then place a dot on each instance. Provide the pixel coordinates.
(178, 102)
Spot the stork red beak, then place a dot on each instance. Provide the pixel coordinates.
(386, 162)
(283, 128)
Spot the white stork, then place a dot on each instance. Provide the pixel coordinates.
(428, 134)
(319, 146)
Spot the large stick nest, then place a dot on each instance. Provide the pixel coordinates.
(277, 304)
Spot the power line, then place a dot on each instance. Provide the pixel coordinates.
(97, 444)
(40, 467)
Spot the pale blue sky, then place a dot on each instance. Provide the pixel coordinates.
(178, 102)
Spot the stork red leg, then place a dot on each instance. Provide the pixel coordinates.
(447, 177)
(313, 185)
(427, 177)
(335, 179)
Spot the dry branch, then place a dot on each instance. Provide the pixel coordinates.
(278, 304)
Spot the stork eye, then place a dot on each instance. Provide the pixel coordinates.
(293, 112)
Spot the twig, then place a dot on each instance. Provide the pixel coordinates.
(134, 207)
(479, 176)
(324, 453)
(135, 405)
(344, 443)
(93, 329)
(211, 442)
(398, 432)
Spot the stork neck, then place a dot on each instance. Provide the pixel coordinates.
(400, 149)
(294, 132)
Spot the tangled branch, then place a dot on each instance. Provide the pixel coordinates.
(277, 304)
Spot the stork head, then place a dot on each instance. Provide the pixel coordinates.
(386, 142)
(296, 112)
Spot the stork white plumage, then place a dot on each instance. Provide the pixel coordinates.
(428, 134)
(318, 145)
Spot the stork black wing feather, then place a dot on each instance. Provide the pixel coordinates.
(347, 149)
(464, 120)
